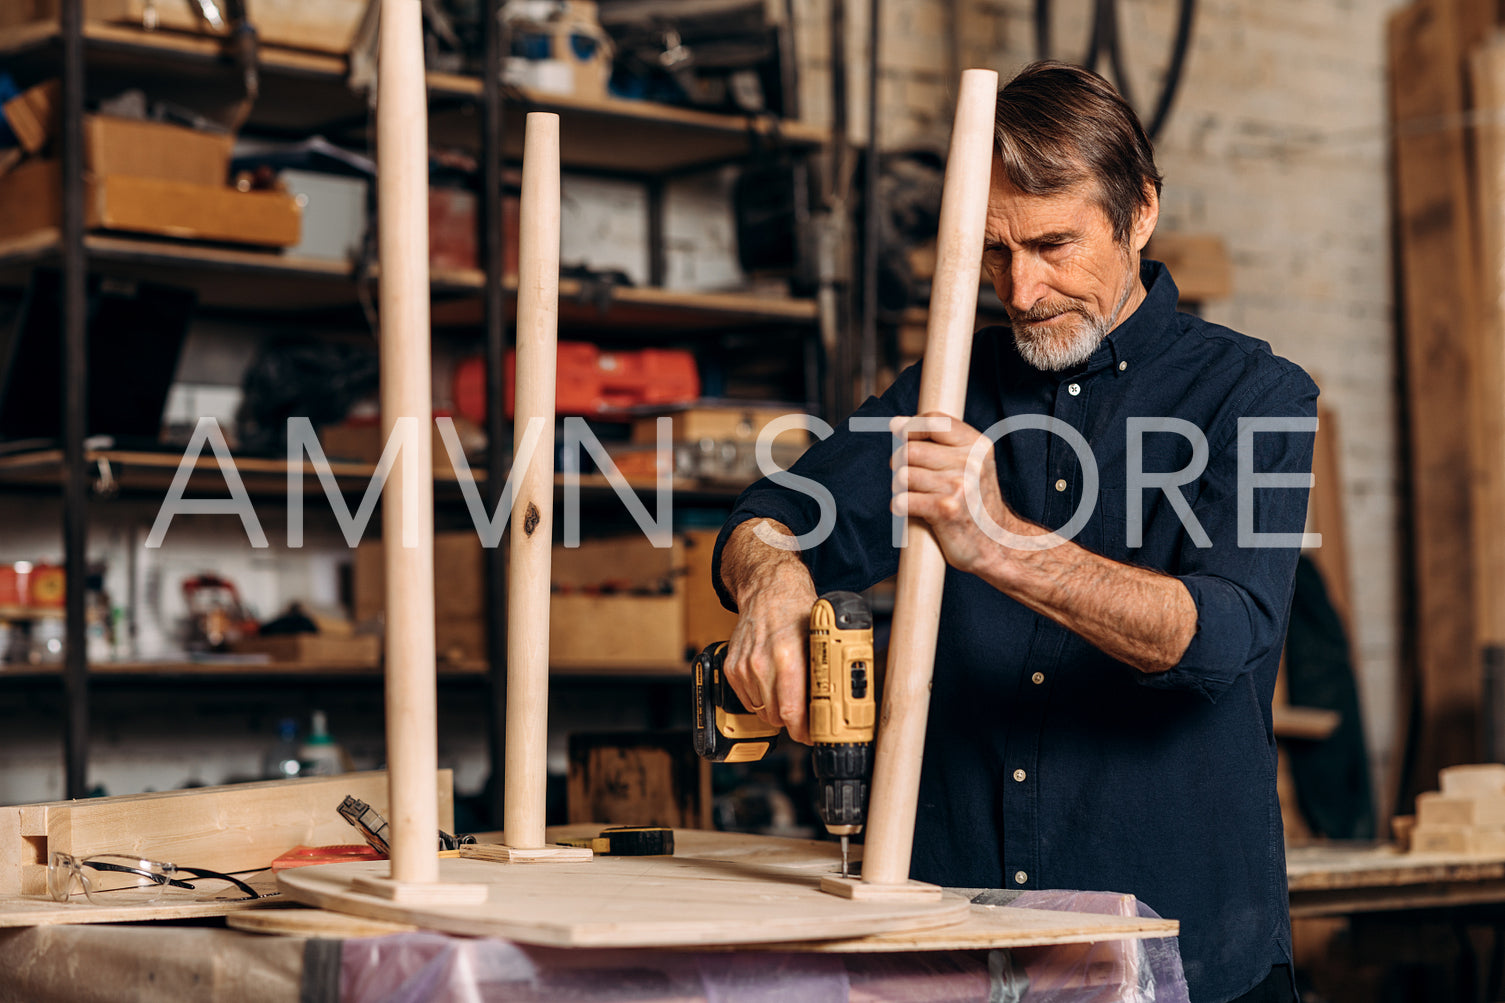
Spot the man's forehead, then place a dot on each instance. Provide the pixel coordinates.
(1078, 205)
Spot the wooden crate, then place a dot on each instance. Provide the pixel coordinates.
(317, 25)
(638, 778)
(31, 200)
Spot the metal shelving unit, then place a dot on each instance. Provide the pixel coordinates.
(303, 93)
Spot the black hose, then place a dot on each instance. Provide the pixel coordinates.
(1105, 40)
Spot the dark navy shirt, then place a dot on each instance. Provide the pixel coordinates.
(1049, 764)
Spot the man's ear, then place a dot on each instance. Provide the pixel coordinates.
(1146, 218)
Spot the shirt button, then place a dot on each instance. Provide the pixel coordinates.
(1122, 366)
(1020, 877)
(1073, 388)
(1061, 484)
(1019, 775)
(1037, 678)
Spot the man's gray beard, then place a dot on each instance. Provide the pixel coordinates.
(1052, 355)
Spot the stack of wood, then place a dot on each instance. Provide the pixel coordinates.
(1447, 75)
(1465, 818)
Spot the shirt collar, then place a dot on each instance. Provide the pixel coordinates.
(1145, 332)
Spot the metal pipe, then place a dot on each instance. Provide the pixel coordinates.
(498, 435)
(75, 390)
(869, 344)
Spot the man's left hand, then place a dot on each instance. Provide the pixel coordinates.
(931, 472)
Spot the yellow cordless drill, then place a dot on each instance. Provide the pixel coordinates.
(842, 713)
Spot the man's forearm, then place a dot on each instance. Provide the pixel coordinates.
(1140, 617)
(749, 565)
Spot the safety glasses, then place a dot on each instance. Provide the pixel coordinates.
(122, 879)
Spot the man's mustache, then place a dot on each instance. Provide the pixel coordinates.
(1042, 311)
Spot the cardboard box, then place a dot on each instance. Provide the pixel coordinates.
(134, 148)
(34, 114)
(622, 603)
(317, 25)
(458, 568)
(619, 603)
(31, 200)
(568, 54)
(720, 422)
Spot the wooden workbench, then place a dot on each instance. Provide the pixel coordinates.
(1339, 879)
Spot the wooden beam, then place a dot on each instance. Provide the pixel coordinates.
(1487, 65)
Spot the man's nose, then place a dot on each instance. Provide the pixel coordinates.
(1026, 285)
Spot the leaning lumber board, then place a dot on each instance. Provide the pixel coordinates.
(1435, 227)
(230, 828)
(1487, 79)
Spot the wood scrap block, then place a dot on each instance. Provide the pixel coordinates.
(230, 828)
(34, 114)
(1434, 808)
(1460, 840)
(1474, 778)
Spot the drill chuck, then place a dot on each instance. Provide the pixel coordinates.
(842, 773)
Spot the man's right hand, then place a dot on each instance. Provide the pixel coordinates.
(767, 659)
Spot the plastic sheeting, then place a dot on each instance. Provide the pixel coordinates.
(437, 968)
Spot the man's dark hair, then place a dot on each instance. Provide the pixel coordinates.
(1058, 125)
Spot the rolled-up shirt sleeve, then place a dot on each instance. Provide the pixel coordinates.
(854, 468)
(1242, 584)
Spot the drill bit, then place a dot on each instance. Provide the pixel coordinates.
(845, 839)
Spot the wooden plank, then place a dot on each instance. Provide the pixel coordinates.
(998, 926)
(321, 923)
(40, 910)
(1328, 518)
(1487, 66)
(231, 828)
(719, 888)
(1435, 224)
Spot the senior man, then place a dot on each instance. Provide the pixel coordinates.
(1119, 577)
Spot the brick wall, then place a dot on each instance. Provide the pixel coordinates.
(1276, 144)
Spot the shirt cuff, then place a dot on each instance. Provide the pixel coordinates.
(1219, 650)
